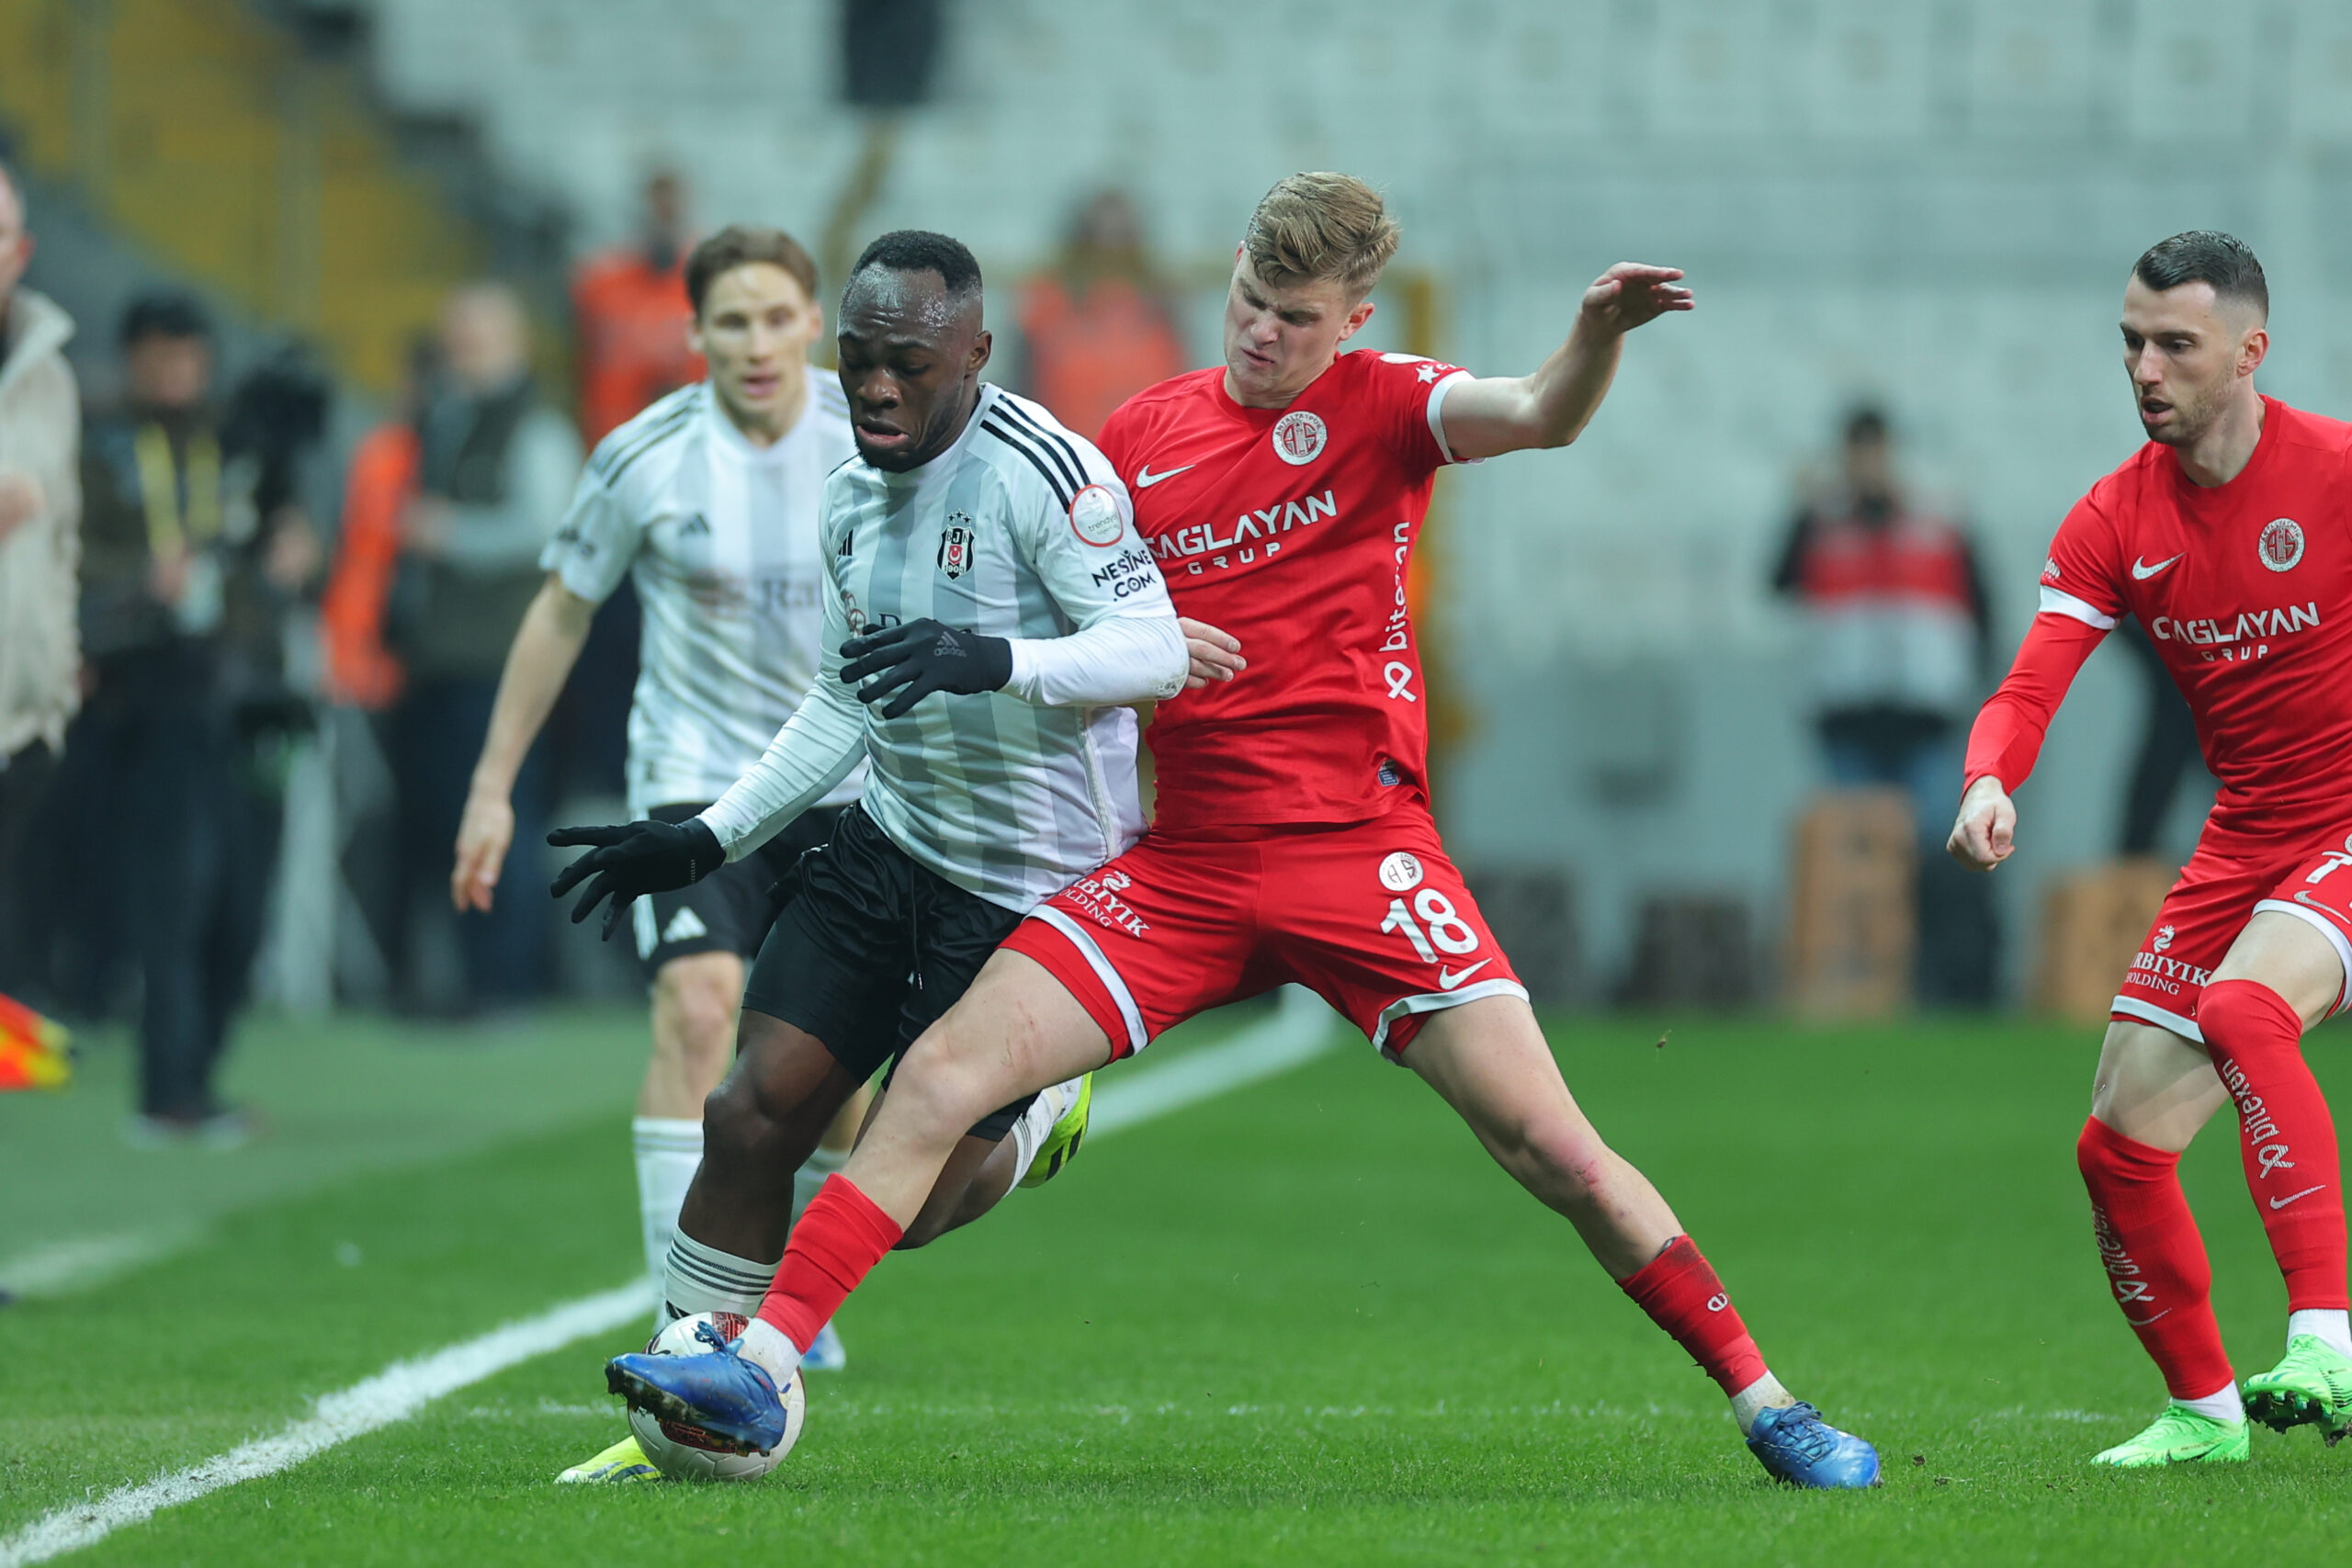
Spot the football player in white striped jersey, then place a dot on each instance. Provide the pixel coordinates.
(709, 501)
(988, 615)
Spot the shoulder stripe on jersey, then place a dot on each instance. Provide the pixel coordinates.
(1020, 444)
(2054, 602)
(656, 422)
(1059, 446)
(644, 441)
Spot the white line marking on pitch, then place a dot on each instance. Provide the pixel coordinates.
(1299, 1029)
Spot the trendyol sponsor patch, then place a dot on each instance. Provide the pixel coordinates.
(1094, 513)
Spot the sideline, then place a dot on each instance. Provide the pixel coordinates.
(1300, 1029)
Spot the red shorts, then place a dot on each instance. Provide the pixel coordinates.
(1370, 917)
(2235, 873)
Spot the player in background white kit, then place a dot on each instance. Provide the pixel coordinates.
(709, 500)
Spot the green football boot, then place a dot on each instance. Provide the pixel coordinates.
(1061, 1144)
(617, 1466)
(2180, 1436)
(2311, 1387)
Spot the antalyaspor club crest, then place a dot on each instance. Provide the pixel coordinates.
(1299, 437)
(2282, 544)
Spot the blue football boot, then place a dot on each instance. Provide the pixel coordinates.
(724, 1394)
(1798, 1447)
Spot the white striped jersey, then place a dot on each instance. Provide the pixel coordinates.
(1019, 530)
(721, 537)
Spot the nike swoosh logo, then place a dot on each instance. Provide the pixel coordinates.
(2282, 1202)
(1145, 478)
(1447, 979)
(2143, 1322)
(2142, 572)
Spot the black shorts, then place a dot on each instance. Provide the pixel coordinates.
(731, 909)
(872, 949)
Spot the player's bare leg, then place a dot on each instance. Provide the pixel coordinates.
(1489, 1060)
(1015, 1028)
(694, 998)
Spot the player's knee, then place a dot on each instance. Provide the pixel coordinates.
(2247, 1014)
(1568, 1159)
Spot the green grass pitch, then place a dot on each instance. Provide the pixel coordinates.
(1305, 1323)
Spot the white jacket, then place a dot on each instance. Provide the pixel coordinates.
(40, 436)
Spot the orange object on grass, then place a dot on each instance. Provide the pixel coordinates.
(35, 1052)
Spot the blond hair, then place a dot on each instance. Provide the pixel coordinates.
(1313, 226)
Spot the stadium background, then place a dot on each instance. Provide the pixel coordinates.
(1928, 206)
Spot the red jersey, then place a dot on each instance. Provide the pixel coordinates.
(2246, 589)
(1292, 528)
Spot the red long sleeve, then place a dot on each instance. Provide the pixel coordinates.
(2007, 733)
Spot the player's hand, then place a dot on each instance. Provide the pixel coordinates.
(1217, 654)
(1631, 293)
(923, 657)
(1987, 830)
(484, 834)
(631, 859)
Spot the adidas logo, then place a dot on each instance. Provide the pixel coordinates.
(684, 925)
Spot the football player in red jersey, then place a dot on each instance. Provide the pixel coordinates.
(2229, 535)
(1281, 493)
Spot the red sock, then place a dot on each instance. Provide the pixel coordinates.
(2154, 1258)
(2285, 1136)
(839, 1237)
(1680, 1290)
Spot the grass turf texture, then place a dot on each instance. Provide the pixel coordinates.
(1306, 1323)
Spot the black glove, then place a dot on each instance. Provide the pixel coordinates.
(925, 657)
(633, 859)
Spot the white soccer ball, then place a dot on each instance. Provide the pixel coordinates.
(685, 1453)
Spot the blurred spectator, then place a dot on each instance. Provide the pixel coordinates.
(495, 467)
(1096, 328)
(2167, 749)
(185, 589)
(1901, 635)
(41, 548)
(629, 309)
(379, 483)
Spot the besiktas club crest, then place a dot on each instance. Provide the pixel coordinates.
(956, 543)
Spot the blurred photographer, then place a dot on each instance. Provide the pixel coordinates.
(186, 582)
(40, 507)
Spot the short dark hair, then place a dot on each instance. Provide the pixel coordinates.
(1866, 422)
(919, 250)
(742, 245)
(164, 313)
(2205, 255)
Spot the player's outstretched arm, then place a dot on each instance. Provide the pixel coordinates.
(1985, 832)
(1487, 416)
(546, 647)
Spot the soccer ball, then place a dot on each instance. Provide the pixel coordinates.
(686, 1453)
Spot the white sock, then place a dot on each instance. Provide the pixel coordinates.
(669, 1152)
(764, 1344)
(1036, 1125)
(2224, 1405)
(702, 1278)
(811, 1176)
(1764, 1393)
(2332, 1327)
